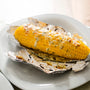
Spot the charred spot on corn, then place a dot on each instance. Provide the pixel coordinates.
(55, 29)
(54, 58)
(47, 28)
(69, 40)
(77, 45)
(52, 53)
(46, 24)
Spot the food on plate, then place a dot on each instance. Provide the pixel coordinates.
(47, 66)
(48, 47)
(48, 40)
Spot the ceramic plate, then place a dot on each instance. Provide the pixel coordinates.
(26, 76)
(4, 83)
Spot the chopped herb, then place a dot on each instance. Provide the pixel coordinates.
(61, 47)
(60, 40)
(52, 52)
(56, 45)
(67, 50)
(37, 39)
(47, 49)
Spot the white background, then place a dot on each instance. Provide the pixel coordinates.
(12, 10)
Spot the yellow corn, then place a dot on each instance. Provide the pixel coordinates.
(49, 43)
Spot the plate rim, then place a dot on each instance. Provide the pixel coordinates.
(7, 81)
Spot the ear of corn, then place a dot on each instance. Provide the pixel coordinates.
(60, 45)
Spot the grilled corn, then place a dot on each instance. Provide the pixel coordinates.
(51, 42)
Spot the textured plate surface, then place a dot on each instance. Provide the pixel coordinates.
(26, 77)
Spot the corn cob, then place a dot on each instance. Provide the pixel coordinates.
(51, 42)
(48, 57)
